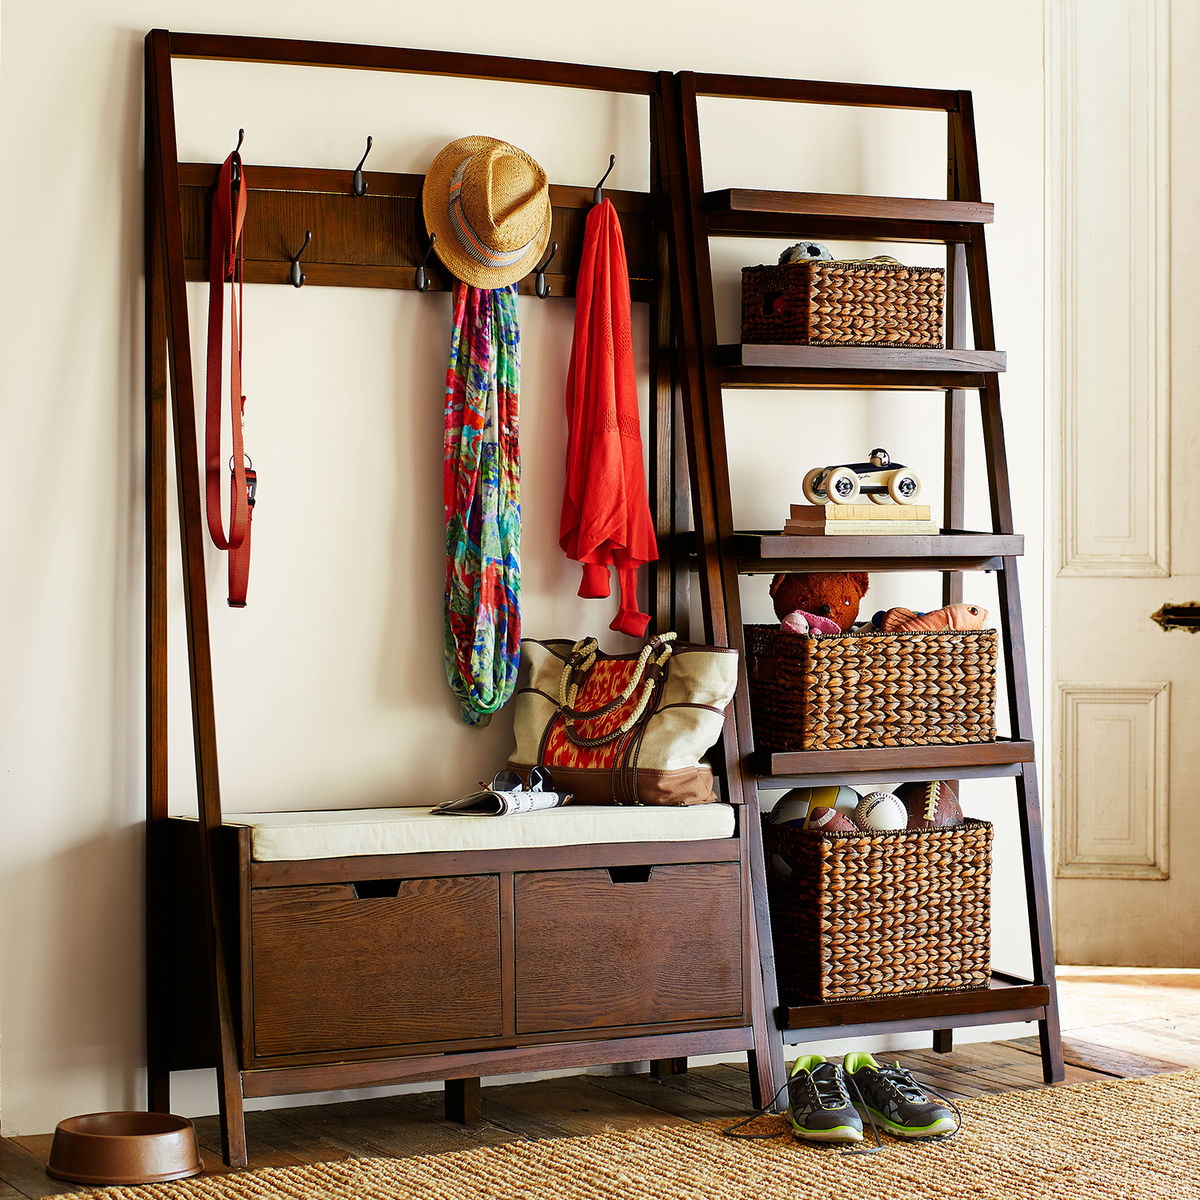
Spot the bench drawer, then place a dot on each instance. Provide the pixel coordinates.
(640, 946)
(343, 967)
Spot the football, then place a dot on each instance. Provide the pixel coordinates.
(880, 811)
(829, 820)
(792, 808)
(931, 805)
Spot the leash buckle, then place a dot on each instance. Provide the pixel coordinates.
(251, 477)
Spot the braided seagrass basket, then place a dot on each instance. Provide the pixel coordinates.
(879, 914)
(843, 304)
(849, 691)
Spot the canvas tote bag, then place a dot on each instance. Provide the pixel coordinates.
(623, 728)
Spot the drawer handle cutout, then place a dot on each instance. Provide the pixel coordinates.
(376, 889)
(630, 874)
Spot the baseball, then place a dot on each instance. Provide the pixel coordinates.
(880, 811)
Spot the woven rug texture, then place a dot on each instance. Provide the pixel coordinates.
(1128, 1138)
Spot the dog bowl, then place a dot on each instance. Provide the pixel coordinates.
(124, 1147)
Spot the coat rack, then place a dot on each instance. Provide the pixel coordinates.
(376, 238)
(369, 232)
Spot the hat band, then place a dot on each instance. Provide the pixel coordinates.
(470, 240)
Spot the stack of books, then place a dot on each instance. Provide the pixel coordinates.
(813, 520)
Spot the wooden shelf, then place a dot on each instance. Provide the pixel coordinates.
(745, 212)
(744, 365)
(892, 764)
(761, 553)
(1004, 999)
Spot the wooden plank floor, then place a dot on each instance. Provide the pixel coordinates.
(1116, 1038)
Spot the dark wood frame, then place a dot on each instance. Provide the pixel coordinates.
(201, 882)
(723, 553)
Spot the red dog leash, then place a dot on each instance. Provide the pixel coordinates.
(225, 266)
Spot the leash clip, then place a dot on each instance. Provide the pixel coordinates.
(251, 476)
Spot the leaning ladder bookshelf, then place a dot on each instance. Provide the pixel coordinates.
(707, 370)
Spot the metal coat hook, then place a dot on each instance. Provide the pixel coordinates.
(358, 185)
(421, 280)
(540, 286)
(236, 168)
(597, 192)
(298, 275)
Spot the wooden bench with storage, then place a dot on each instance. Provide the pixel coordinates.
(369, 965)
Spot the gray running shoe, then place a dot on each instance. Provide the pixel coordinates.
(894, 1098)
(820, 1105)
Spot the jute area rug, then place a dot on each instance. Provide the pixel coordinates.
(1128, 1139)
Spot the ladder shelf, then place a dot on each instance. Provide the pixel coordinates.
(722, 554)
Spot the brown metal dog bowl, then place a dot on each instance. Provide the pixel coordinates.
(124, 1147)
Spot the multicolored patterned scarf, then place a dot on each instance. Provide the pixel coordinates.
(481, 498)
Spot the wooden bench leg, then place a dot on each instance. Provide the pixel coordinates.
(462, 1101)
(943, 1041)
(668, 1068)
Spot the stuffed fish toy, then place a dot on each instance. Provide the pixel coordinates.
(953, 616)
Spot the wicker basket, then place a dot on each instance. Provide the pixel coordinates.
(843, 304)
(878, 914)
(849, 691)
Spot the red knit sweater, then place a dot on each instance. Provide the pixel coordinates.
(605, 514)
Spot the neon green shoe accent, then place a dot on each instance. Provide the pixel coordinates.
(807, 1063)
(938, 1127)
(839, 1133)
(857, 1059)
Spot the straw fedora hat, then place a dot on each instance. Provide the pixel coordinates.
(489, 204)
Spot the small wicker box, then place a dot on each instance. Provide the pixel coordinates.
(843, 304)
(849, 691)
(879, 914)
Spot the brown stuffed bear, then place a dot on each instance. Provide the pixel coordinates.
(835, 595)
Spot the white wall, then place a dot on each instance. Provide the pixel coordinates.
(341, 643)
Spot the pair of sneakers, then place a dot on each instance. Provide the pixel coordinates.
(821, 1109)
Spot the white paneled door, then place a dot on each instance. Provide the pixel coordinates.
(1123, 233)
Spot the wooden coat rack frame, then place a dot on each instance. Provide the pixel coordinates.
(204, 890)
(203, 887)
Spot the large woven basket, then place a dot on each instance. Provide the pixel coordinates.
(843, 304)
(849, 691)
(877, 914)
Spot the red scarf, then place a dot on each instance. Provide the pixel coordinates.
(605, 514)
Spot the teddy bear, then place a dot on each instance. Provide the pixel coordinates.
(835, 595)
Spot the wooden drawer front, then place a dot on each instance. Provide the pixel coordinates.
(332, 971)
(592, 952)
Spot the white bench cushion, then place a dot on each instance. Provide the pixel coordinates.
(291, 836)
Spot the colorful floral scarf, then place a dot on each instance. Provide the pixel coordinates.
(481, 498)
